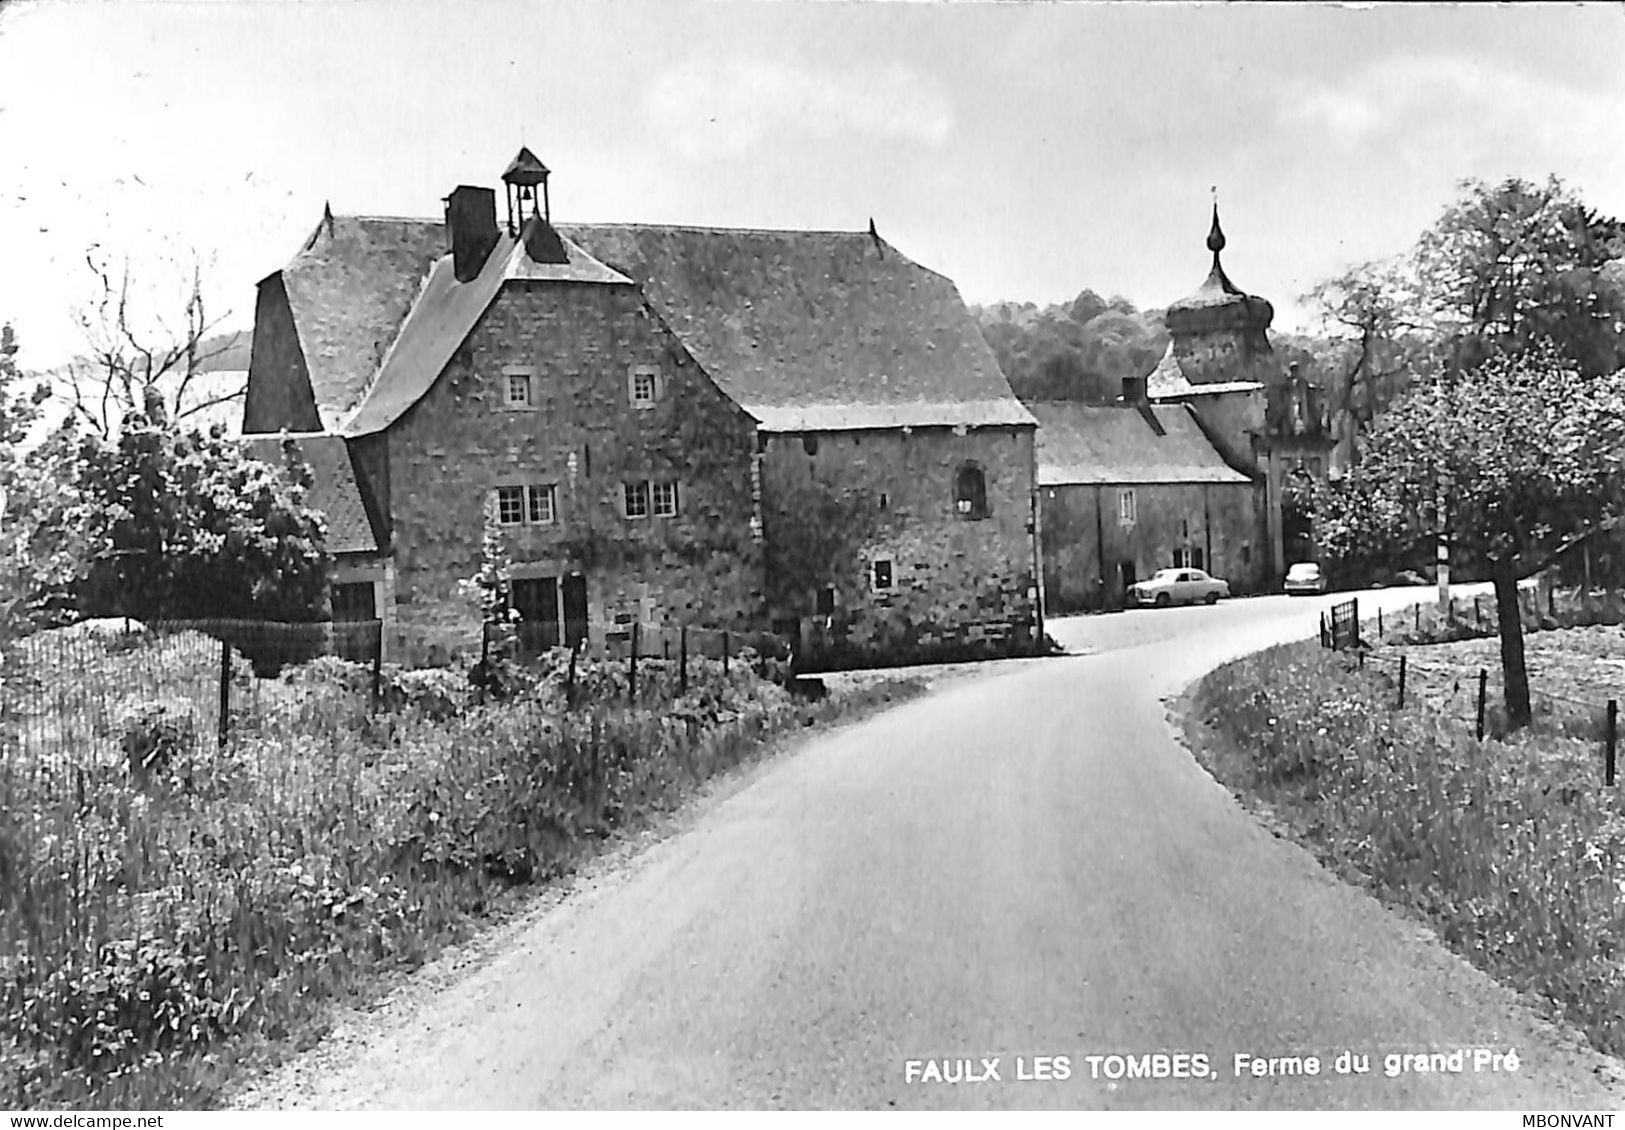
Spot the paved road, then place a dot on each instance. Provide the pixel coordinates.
(1021, 865)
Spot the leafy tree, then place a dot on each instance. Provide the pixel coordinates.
(20, 487)
(1079, 350)
(186, 525)
(1514, 264)
(1527, 459)
(1374, 347)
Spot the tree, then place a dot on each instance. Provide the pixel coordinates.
(179, 524)
(23, 488)
(142, 362)
(1528, 458)
(1514, 264)
(1375, 344)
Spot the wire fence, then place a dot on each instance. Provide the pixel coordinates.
(81, 691)
(89, 692)
(1473, 693)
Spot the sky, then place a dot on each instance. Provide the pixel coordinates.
(1027, 151)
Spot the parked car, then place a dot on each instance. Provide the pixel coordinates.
(1179, 586)
(1305, 579)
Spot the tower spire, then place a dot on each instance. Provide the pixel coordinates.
(1215, 234)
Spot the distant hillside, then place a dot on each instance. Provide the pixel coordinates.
(225, 351)
(1079, 350)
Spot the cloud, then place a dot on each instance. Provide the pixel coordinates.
(723, 111)
(1432, 109)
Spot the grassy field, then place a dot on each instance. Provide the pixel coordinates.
(154, 924)
(1510, 847)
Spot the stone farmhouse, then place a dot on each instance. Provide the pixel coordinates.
(794, 431)
(1196, 466)
(1130, 489)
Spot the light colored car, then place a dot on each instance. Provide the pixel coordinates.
(1179, 586)
(1305, 579)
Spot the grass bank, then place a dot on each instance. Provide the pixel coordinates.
(1511, 848)
(153, 925)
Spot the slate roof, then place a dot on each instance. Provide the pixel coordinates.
(815, 331)
(1168, 381)
(1104, 444)
(333, 488)
(443, 315)
(807, 331)
(350, 288)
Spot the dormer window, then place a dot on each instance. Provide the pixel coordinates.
(643, 387)
(519, 388)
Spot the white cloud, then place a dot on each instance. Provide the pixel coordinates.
(1435, 109)
(722, 111)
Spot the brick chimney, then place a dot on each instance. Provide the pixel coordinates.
(471, 222)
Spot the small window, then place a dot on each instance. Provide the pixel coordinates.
(826, 601)
(1185, 528)
(1127, 513)
(1182, 558)
(636, 499)
(643, 387)
(970, 492)
(880, 574)
(517, 393)
(664, 497)
(510, 505)
(542, 503)
(809, 444)
(1197, 559)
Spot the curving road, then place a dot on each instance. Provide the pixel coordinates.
(1023, 864)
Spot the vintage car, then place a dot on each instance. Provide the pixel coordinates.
(1179, 586)
(1305, 579)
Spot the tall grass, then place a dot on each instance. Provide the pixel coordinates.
(146, 925)
(1512, 847)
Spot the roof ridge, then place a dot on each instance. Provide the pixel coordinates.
(653, 226)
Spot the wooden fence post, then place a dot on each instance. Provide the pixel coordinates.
(1418, 608)
(1613, 735)
(570, 678)
(1379, 623)
(725, 651)
(1356, 603)
(378, 666)
(1483, 684)
(632, 667)
(1402, 682)
(682, 660)
(225, 692)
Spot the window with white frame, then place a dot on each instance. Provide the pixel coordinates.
(541, 503)
(636, 499)
(511, 506)
(1127, 514)
(519, 389)
(643, 387)
(663, 496)
(527, 504)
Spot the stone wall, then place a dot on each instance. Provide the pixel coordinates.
(1085, 543)
(583, 436)
(837, 503)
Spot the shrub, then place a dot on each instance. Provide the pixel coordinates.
(157, 735)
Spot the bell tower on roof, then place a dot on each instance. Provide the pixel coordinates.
(525, 173)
